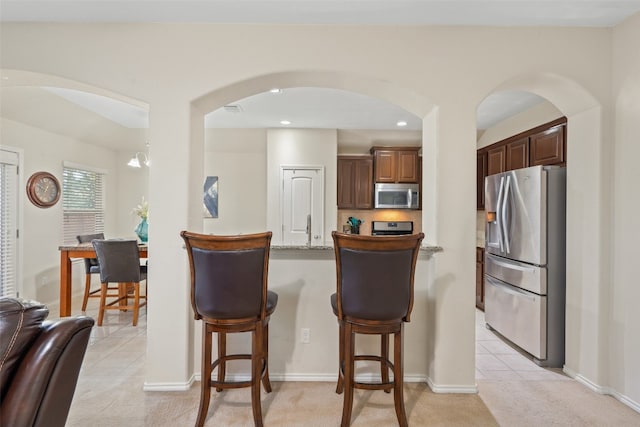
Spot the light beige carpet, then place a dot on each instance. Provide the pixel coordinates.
(315, 404)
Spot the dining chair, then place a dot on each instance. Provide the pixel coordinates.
(120, 263)
(91, 267)
(374, 296)
(229, 294)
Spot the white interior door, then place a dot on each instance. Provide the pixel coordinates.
(9, 161)
(302, 205)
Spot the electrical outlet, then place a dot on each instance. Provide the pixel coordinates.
(306, 335)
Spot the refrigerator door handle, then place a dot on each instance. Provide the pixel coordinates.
(503, 212)
(499, 214)
(511, 266)
(510, 289)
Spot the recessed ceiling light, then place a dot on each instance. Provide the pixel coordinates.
(276, 90)
(401, 123)
(285, 122)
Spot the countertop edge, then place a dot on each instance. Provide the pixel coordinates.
(428, 249)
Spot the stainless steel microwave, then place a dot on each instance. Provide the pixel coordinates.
(397, 196)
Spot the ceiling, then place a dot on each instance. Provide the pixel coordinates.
(303, 107)
(599, 13)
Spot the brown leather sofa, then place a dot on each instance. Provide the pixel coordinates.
(39, 363)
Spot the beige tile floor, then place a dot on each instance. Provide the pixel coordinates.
(513, 391)
(497, 360)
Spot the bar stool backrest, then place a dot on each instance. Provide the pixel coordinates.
(228, 274)
(375, 275)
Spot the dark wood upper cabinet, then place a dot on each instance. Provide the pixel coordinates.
(548, 147)
(408, 170)
(396, 164)
(355, 182)
(517, 154)
(385, 165)
(542, 145)
(496, 160)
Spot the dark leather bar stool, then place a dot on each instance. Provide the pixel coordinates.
(120, 263)
(229, 294)
(374, 295)
(91, 267)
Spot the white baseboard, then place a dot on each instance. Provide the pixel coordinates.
(169, 386)
(443, 388)
(436, 388)
(317, 377)
(602, 390)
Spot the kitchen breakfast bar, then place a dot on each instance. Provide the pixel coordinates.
(303, 331)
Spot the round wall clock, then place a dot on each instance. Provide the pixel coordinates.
(43, 189)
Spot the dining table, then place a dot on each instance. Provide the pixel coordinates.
(69, 252)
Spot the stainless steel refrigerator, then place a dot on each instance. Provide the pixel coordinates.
(525, 260)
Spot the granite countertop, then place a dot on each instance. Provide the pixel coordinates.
(430, 249)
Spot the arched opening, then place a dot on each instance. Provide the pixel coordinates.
(585, 198)
(294, 312)
(56, 124)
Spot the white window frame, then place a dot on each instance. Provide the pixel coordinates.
(72, 229)
(10, 153)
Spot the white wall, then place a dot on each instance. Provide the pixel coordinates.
(132, 186)
(417, 68)
(238, 157)
(624, 329)
(42, 231)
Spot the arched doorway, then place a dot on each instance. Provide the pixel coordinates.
(586, 204)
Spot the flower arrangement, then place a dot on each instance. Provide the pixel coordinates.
(142, 210)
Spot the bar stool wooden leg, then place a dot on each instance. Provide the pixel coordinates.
(349, 366)
(222, 352)
(384, 354)
(257, 359)
(341, 362)
(205, 376)
(398, 378)
(266, 382)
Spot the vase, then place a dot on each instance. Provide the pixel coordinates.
(142, 230)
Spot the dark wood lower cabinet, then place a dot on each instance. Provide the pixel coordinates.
(480, 278)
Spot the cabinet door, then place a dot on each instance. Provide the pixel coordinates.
(346, 180)
(407, 166)
(363, 189)
(481, 173)
(386, 165)
(548, 147)
(496, 160)
(517, 154)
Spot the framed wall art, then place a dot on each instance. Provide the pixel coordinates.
(210, 198)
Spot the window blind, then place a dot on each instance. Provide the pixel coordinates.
(83, 202)
(8, 223)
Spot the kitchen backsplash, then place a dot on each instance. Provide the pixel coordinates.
(369, 215)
